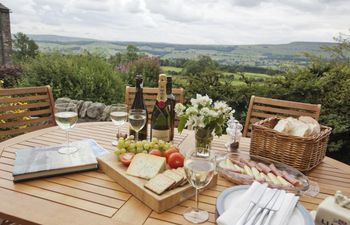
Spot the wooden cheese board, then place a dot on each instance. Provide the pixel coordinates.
(159, 203)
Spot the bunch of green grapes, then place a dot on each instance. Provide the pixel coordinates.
(130, 145)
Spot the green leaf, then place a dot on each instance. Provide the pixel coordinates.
(182, 123)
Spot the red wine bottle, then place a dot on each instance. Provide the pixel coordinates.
(139, 104)
(171, 104)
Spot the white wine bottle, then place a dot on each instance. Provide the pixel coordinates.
(139, 104)
(160, 123)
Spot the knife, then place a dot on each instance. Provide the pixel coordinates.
(257, 194)
(268, 208)
(275, 207)
(264, 201)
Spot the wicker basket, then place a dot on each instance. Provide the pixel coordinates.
(302, 153)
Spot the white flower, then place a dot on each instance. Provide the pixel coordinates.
(204, 111)
(222, 107)
(198, 121)
(213, 113)
(179, 109)
(191, 111)
(189, 122)
(201, 100)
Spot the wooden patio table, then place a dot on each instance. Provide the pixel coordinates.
(93, 198)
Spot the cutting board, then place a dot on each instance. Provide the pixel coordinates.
(159, 203)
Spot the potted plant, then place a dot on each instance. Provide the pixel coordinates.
(206, 118)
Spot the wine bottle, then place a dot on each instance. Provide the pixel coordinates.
(139, 104)
(171, 104)
(160, 123)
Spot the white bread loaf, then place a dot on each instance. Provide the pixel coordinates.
(305, 126)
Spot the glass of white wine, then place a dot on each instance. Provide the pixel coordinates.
(66, 116)
(199, 172)
(119, 115)
(137, 120)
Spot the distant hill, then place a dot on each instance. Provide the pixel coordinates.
(265, 55)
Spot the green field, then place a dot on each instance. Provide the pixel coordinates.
(266, 56)
(166, 69)
(234, 78)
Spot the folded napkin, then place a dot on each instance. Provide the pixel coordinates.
(239, 205)
(283, 215)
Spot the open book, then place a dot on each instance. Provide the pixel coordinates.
(47, 161)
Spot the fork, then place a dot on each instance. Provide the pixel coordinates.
(268, 208)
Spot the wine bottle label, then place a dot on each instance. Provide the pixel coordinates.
(161, 134)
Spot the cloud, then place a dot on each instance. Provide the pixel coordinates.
(184, 21)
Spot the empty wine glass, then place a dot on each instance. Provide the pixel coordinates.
(137, 120)
(66, 116)
(199, 172)
(119, 115)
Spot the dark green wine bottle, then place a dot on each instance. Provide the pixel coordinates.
(160, 124)
(171, 104)
(139, 104)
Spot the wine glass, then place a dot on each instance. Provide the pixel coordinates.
(199, 172)
(137, 120)
(66, 116)
(119, 115)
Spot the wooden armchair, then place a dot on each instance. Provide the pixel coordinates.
(261, 108)
(24, 110)
(150, 95)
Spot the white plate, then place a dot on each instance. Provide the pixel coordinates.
(300, 215)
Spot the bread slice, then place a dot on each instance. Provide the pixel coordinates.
(159, 184)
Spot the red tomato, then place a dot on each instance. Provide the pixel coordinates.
(170, 151)
(176, 160)
(126, 158)
(155, 152)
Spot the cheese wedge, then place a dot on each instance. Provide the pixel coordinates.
(146, 166)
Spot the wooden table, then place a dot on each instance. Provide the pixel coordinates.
(93, 198)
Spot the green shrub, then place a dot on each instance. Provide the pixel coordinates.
(85, 77)
(10, 75)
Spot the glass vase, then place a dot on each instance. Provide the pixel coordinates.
(204, 138)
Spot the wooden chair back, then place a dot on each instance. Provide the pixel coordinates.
(150, 96)
(24, 110)
(261, 108)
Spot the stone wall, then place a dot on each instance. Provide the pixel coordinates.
(5, 36)
(89, 111)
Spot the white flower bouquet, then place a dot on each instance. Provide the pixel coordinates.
(203, 114)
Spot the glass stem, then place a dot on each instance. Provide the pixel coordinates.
(118, 135)
(67, 134)
(196, 199)
(136, 135)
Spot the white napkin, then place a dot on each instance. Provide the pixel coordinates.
(283, 215)
(238, 206)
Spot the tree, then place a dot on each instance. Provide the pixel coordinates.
(131, 53)
(149, 67)
(24, 47)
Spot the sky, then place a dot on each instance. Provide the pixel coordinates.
(227, 22)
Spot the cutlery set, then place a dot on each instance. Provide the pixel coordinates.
(266, 202)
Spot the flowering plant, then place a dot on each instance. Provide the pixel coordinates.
(204, 114)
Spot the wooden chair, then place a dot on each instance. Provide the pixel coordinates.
(24, 110)
(261, 108)
(150, 95)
